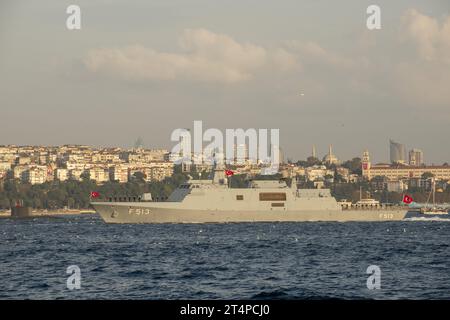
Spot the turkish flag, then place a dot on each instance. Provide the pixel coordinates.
(95, 194)
(407, 199)
(229, 173)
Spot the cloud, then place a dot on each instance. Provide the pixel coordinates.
(431, 40)
(313, 53)
(205, 56)
(423, 85)
(418, 77)
(423, 77)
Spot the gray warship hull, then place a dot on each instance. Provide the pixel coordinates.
(139, 213)
(213, 201)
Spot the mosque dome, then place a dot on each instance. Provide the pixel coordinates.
(330, 158)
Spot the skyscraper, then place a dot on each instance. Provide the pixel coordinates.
(397, 152)
(416, 157)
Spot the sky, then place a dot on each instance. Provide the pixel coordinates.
(309, 68)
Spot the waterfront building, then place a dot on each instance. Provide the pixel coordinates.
(420, 183)
(398, 171)
(398, 186)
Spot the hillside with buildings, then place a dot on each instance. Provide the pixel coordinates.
(64, 176)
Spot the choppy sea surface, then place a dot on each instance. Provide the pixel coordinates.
(223, 261)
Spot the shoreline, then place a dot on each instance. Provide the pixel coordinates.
(57, 212)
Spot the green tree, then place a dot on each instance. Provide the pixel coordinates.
(139, 177)
(311, 161)
(85, 176)
(427, 175)
(353, 165)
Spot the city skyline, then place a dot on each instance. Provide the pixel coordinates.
(412, 152)
(313, 70)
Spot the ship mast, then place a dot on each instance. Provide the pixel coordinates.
(218, 171)
(433, 186)
(432, 194)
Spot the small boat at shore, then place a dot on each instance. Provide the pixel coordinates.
(430, 212)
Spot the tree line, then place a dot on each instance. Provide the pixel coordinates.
(76, 194)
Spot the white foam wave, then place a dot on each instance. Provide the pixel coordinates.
(427, 219)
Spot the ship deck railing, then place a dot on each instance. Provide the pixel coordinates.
(134, 199)
(373, 207)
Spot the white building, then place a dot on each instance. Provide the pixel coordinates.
(75, 174)
(98, 174)
(317, 172)
(35, 175)
(118, 173)
(395, 186)
(155, 171)
(61, 174)
(18, 171)
(3, 173)
(161, 170)
(5, 166)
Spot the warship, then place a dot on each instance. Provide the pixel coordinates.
(214, 201)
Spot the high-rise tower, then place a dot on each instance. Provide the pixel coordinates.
(416, 157)
(397, 152)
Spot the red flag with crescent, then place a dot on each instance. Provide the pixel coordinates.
(95, 194)
(407, 199)
(229, 173)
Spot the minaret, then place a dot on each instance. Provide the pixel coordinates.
(314, 151)
(330, 152)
